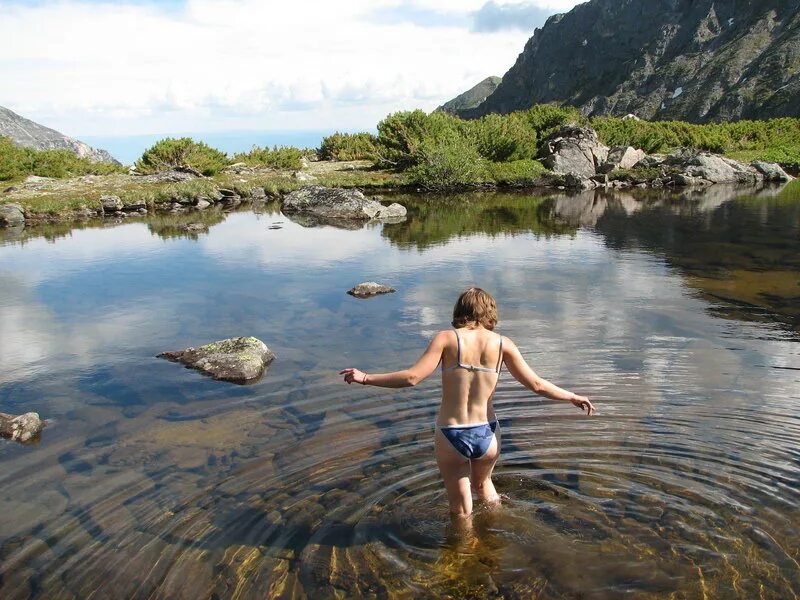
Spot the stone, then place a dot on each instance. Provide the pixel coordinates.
(370, 288)
(574, 150)
(194, 228)
(202, 204)
(300, 176)
(11, 189)
(338, 204)
(11, 215)
(111, 203)
(718, 169)
(771, 171)
(172, 176)
(238, 360)
(258, 193)
(23, 428)
(575, 182)
(622, 157)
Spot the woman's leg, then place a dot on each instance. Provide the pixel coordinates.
(455, 473)
(482, 468)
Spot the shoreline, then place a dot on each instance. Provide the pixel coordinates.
(47, 200)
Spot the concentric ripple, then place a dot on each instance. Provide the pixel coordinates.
(154, 482)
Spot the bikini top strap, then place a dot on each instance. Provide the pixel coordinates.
(458, 356)
(500, 358)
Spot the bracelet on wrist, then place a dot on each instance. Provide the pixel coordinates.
(364, 381)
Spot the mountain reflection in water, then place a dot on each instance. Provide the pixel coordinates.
(155, 482)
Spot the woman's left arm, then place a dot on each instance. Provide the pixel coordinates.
(426, 365)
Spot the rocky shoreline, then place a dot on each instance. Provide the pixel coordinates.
(574, 155)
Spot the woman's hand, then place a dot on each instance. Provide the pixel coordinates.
(583, 403)
(351, 375)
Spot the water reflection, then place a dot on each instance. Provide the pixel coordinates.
(156, 481)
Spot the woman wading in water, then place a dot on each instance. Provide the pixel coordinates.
(467, 439)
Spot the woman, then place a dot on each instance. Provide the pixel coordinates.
(467, 439)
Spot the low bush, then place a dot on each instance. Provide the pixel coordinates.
(171, 153)
(401, 135)
(349, 146)
(278, 157)
(516, 173)
(446, 163)
(17, 163)
(504, 138)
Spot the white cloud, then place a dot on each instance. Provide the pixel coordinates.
(102, 68)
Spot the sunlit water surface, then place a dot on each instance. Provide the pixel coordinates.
(678, 315)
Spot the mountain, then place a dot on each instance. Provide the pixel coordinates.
(692, 60)
(472, 97)
(26, 133)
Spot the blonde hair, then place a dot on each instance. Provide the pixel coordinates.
(475, 307)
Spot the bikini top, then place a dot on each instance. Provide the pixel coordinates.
(460, 365)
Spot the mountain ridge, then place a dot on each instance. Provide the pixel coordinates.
(29, 134)
(692, 60)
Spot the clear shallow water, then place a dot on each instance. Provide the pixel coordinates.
(677, 315)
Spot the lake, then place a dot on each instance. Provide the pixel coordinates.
(678, 314)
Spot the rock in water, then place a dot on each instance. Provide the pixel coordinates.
(239, 360)
(338, 204)
(771, 171)
(111, 204)
(370, 288)
(11, 215)
(23, 428)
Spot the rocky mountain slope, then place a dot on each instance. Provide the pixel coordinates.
(26, 133)
(473, 97)
(692, 60)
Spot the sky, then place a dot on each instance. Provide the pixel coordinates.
(132, 67)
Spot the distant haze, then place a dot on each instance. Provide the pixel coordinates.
(127, 149)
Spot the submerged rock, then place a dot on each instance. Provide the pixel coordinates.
(338, 204)
(11, 215)
(239, 360)
(24, 428)
(370, 288)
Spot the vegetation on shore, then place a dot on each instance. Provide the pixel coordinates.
(17, 163)
(412, 149)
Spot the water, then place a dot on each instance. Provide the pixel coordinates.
(677, 315)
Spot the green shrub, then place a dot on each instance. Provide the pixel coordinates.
(518, 172)
(544, 119)
(401, 135)
(504, 138)
(171, 153)
(278, 157)
(349, 146)
(447, 162)
(17, 163)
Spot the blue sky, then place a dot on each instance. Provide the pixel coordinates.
(90, 67)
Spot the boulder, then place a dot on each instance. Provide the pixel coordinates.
(238, 360)
(771, 171)
(714, 168)
(338, 204)
(574, 182)
(370, 288)
(24, 428)
(622, 157)
(111, 204)
(11, 215)
(574, 150)
(202, 204)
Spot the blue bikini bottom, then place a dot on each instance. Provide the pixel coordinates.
(470, 441)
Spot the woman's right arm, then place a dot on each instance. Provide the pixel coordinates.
(525, 375)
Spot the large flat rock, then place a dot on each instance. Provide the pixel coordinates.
(238, 360)
(338, 204)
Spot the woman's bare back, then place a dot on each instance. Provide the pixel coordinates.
(471, 362)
